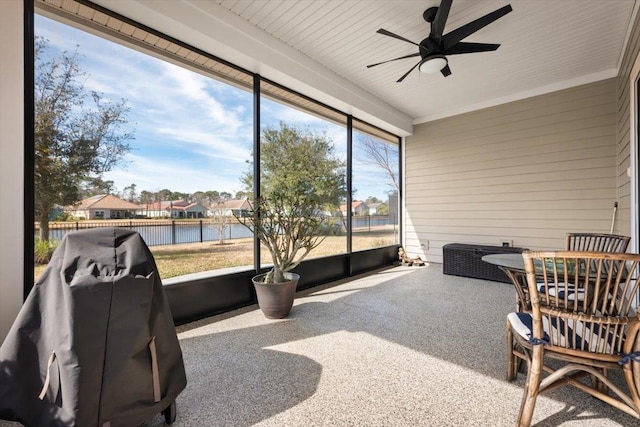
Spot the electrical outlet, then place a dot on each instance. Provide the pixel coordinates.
(506, 243)
(425, 245)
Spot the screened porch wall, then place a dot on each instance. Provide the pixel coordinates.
(623, 136)
(524, 172)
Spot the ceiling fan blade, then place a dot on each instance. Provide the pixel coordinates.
(437, 26)
(407, 73)
(395, 36)
(460, 33)
(446, 71)
(395, 59)
(464, 47)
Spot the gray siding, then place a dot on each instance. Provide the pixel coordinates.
(11, 162)
(527, 172)
(623, 225)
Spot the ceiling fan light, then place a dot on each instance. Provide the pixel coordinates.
(433, 64)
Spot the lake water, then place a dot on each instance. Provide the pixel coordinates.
(167, 234)
(156, 234)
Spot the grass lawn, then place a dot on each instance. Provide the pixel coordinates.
(177, 260)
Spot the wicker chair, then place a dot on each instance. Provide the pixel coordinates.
(584, 318)
(594, 242)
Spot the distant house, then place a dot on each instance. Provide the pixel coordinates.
(373, 208)
(157, 210)
(174, 209)
(103, 206)
(236, 207)
(358, 208)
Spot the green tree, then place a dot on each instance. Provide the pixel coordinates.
(383, 209)
(299, 177)
(177, 195)
(199, 197)
(147, 197)
(241, 195)
(129, 192)
(298, 161)
(212, 196)
(164, 195)
(372, 199)
(94, 186)
(75, 141)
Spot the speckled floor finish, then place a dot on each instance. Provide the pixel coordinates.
(406, 346)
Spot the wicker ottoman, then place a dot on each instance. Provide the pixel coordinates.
(465, 260)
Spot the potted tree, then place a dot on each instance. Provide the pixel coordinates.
(300, 179)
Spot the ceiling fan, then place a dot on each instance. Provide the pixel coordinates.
(434, 49)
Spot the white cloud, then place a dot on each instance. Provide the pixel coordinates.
(192, 116)
(175, 174)
(192, 89)
(211, 145)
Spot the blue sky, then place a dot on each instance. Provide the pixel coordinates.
(192, 133)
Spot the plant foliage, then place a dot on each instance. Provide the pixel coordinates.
(75, 140)
(300, 181)
(43, 250)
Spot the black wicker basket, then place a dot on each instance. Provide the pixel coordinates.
(461, 259)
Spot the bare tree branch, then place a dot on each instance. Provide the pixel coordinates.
(381, 154)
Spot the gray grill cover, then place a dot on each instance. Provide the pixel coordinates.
(97, 307)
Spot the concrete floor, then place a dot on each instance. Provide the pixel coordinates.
(406, 346)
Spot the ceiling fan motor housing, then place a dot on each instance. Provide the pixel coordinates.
(429, 47)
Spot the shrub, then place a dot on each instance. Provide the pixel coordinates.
(43, 250)
(62, 216)
(331, 229)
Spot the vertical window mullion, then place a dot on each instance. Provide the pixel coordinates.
(400, 191)
(349, 179)
(29, 147)
(256, 163)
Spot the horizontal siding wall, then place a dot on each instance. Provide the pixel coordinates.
(526, 172)
(623, 225)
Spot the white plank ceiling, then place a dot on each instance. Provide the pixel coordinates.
(543, 43)
(546, 45)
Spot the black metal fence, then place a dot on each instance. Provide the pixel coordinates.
(172, 232)
(157, 233)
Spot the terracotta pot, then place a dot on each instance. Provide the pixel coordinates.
(276, 299)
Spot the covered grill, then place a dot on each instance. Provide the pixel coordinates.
(94, 343)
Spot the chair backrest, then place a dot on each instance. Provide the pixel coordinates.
(583, 301)
(594, 242)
